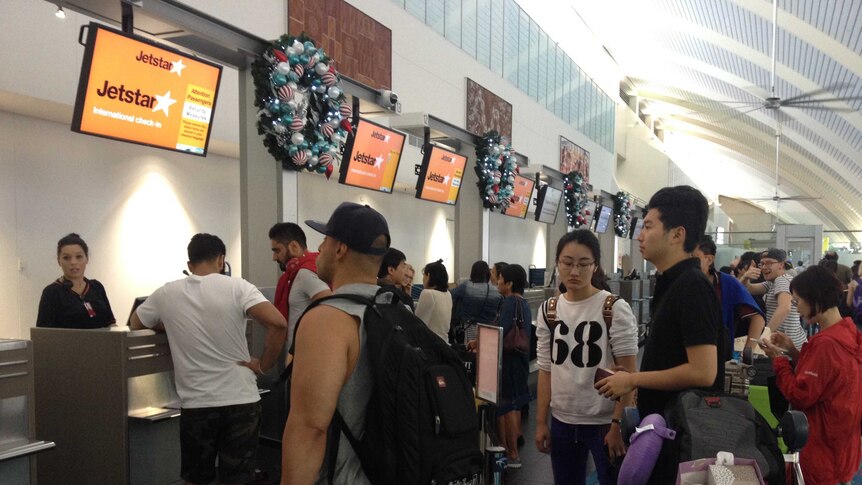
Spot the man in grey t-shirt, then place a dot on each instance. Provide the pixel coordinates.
(331, 368)
(781, 313)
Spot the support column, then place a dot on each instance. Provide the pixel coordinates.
(260, 191)
(471, 225)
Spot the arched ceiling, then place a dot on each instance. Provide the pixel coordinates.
(702, 70)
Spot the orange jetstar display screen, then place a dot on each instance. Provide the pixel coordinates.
(523, 192)
(441, 176)
(373, 153)
(138, 91)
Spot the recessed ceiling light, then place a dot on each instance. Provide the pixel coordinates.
(60, 13)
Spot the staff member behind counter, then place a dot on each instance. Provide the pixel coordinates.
(73, 301)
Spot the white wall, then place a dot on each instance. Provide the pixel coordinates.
(135, 206)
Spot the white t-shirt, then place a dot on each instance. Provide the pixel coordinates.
(579, 345)
(305, 285)
(435, 309)
(205, 319)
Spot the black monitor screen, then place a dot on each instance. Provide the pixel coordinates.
(604, 218)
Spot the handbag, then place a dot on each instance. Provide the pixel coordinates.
(517, 339)
(723, 469)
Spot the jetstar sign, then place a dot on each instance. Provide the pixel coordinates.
(134, 90)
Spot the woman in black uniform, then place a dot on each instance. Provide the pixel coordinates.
(73, 301)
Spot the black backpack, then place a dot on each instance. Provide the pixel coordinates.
(421, 425)
(708, 422)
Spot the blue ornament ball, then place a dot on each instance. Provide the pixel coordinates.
(279, 79)
(321, 169)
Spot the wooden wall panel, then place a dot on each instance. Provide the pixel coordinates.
(360, 46)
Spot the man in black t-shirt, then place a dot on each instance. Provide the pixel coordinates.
(685, 345)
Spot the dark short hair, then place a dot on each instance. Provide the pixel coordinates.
(205, 247)
(682, 206)
(480, 272)
(498, 267)
(72, 239)
(707, 245)
(391, 259)
(829, 264)
(725, 270)
(285, 232)
(515, 274)
(587, 238)
(819, 287)
(438, 277)
(831, 255)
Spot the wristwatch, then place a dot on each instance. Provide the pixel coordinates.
(617, 421)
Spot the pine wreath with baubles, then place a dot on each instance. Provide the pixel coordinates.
(622, 213)
(303, 115)
(496, 168)
(576, 199)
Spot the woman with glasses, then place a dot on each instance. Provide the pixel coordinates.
(571, 348)
(823, 379)
(781, 313)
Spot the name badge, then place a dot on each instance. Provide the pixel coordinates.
(90, 310)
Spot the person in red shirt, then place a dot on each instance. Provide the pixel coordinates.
(823, 379)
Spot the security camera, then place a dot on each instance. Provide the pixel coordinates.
(389, 100)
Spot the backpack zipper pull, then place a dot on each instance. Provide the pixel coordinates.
(437, 425)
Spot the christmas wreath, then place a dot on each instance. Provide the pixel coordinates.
(302, 115)
(576, 199)
(622, 213)
(496, 168)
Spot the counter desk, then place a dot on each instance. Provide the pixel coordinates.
(108, 400)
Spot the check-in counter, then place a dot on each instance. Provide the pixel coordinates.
(18, 446)
(107, 398)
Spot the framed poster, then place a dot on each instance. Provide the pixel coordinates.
(489, 362)
(573, 158)
(486, 111)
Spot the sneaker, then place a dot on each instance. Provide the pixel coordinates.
(514, 463)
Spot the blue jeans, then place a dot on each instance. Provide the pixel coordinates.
(569, 446)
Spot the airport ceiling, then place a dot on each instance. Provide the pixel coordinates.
(702, 71)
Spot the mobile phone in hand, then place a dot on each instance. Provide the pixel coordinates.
(602, 373)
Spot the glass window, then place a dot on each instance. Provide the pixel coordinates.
(416, 8)
(469, 29)
(497, 28)
(524, 51)
(453, 21)
(511, 23)
(435, 15)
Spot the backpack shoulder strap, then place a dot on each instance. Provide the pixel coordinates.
(608, 310)
(551, 311)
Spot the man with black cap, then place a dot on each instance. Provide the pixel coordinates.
(781, 313)
(331, 369)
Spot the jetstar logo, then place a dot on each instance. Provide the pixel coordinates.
(136, 97)
(380, 136)
(447, 158)
(368, 159)
(162, 63)
(440, 179)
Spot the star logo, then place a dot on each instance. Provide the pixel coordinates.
(446, 179)
(177, 67)
(378, 161)
(386, 138)
(163, 103)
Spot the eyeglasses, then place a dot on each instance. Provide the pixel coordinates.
(794, 301)
(766, 263)
(567, 266)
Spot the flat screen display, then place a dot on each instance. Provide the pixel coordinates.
(590, 219)
(373, 153)
(604, 218)
(440, 176)
(548, 204)
(637, 226)
(522, 193)
(134, 90)
(489, 362)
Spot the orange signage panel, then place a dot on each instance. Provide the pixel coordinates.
(441, 176)
(522, 193)
(373, 153)
(135, 90)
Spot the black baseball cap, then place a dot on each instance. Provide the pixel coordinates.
(357, 226)
(775, 253)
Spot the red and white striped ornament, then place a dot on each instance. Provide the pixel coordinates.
(324, 159)
(329, 79)
(300, 157)
(492, 198)
(497, 175)
(299, 70)
(285, 93)
(327, 130)
(297, 124)
(345, 110)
